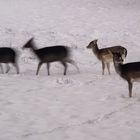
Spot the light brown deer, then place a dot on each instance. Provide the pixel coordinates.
(105, 54)
(129, 71)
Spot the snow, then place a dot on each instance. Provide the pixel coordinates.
(77, 106)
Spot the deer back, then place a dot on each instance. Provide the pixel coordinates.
(54, 53)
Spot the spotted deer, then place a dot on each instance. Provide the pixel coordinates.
(105, 54)
(129, 71)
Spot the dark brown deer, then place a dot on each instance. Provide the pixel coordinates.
(8, 55)
(105, 54)
(129, 71)
(51, 54)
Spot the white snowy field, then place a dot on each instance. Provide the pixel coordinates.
(78, 106)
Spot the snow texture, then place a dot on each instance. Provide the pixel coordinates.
(78, 106)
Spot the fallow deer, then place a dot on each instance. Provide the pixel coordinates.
(105, 54)
(8, 55)
(129, 71)
(51, 54)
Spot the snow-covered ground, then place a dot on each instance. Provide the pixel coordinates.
(78, 106)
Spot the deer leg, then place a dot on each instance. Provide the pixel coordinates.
(38, 68)
(17, 68)
(15, 65)
(48, 68)
(108, 67)
(1, 69)
(73, 63)
(8, 68)
(65, 67)
(103, 67)
(130, 85)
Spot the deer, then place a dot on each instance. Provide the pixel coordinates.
(8, 55)
(51, 54)
(105, 54)
(129, 71)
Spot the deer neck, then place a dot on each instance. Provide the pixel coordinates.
(95, 50)
(118, 68)
(33, 48)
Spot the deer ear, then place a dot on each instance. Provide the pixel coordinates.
(95, 41)
(31, 39)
